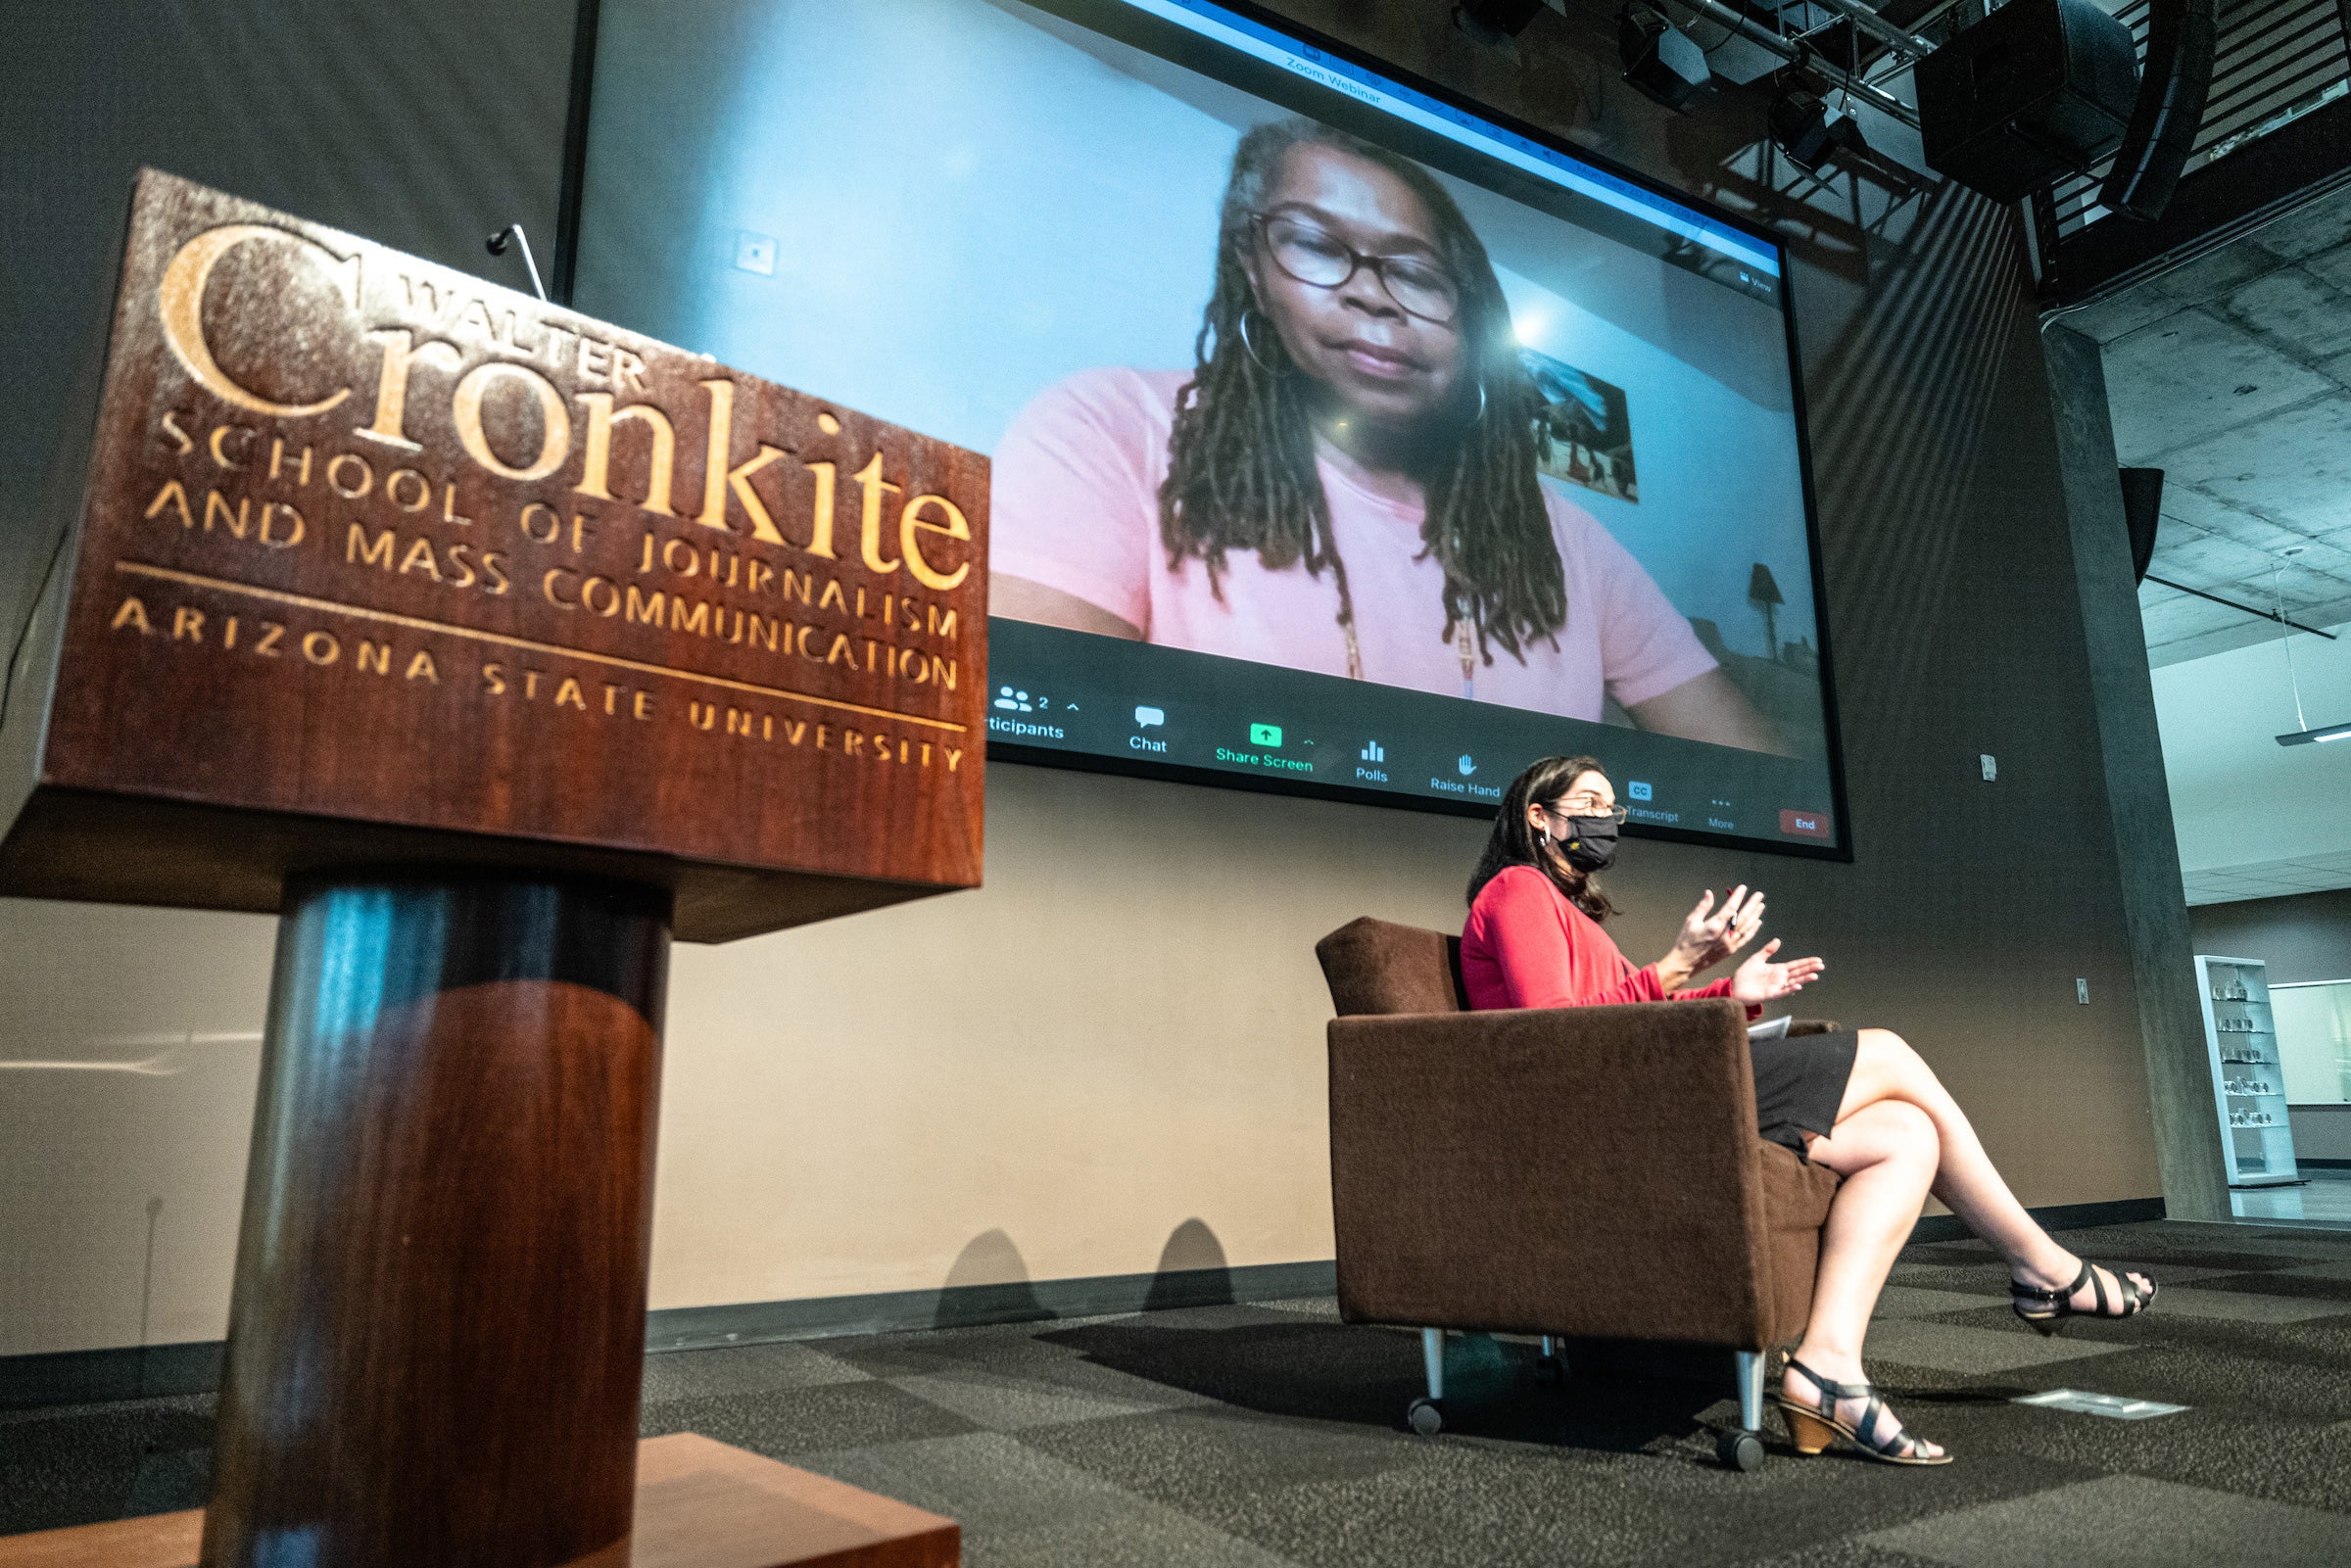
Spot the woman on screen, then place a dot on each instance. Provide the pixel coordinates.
(1861, 1103)
(1346, 480)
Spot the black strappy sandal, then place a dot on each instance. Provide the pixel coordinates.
(2049, 1309)
(1815, 1427)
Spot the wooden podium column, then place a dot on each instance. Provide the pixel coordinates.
(437, 1335)
(557, 641)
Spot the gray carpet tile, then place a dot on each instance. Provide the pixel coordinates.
(2152, 1524)
(1923, 1301)
(743, 1369)
(1271, 1435)
(787, 1423)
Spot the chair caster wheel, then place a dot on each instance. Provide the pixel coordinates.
(1549, 1371)
(1424, 1417)
(1739, 1450)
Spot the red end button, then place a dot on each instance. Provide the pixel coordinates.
(1805, 825)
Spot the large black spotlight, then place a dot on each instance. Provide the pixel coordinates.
(1663, 63)
(1809, 132)
(1496, 19)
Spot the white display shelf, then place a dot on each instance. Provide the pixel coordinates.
(2247, 1083)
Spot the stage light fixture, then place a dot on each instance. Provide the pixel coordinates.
(1809, 132)
(2318, 737)
(1662, 63)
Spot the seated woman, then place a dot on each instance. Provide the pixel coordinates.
(1861, 1103)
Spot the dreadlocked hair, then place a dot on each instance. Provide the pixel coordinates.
(1514, 843)
(1242, 471)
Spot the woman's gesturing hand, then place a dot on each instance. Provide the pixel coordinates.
(1712, 934)
(1760, 980)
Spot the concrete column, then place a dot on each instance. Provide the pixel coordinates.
(2187, 1139)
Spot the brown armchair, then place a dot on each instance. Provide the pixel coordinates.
(1569, 1172)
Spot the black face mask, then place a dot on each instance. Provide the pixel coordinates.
(1591, 843)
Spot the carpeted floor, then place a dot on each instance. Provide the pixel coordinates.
(1258, 1435)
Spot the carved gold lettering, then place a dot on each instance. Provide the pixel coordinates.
(267, 529)
(229, 638)
(675, 551)
(390, 424)
(221, 435)
(340, 466)
(597, 460)
(460, 562)
(494, 680)
(956, 527)
(373, 657)
(321, 648)
(187, 623)
(547, 588)
(608, 605)
(357, 550)
(870, 480)
(642, 709)
(448, 506)
(173, 496)
(466, 411)
(554, 523)
(236, 522)
(697, 622)
(271, 632)
(820, 537)
(179, 302)
(181, 437)
(841, 651)
(131, 613)
(277, 462)
(421, 559)
(718, 479)
(420, 667)
(392, 490)
(647, 609)
(701, 715)
(568, 695)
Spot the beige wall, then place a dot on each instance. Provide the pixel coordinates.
(1042, 1079)
(1122, 1032)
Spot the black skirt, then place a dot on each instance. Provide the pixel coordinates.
(1799, 1083)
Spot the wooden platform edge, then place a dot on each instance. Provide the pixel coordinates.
(700, 1503)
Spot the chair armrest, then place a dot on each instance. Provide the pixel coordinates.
(1574, 1170)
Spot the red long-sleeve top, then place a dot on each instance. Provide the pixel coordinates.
(1525, 945)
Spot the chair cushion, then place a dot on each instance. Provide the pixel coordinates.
(1795, 1205)
(1374, 965)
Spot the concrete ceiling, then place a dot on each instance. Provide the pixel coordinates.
(2232, 374)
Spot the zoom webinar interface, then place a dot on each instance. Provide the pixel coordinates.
(1342, 441)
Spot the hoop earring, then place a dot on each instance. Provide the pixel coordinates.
(1544, 833)
(1250, 347)
(1482, 402)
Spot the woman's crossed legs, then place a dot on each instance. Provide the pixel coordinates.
(1900, 1135)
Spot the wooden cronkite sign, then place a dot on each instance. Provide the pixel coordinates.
(373, 554)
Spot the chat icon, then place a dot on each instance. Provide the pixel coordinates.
(1146, 718)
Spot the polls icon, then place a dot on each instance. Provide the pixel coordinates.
(1146, 718)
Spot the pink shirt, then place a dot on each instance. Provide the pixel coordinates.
(1075, 508)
